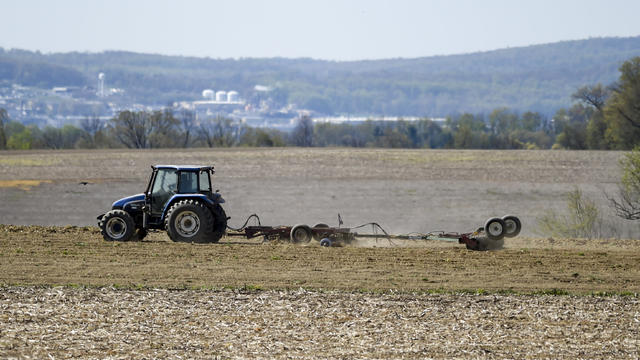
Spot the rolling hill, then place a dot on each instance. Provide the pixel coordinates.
(538, 78)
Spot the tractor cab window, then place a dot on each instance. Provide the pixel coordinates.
(204, 181)
(164, 186)
(188, 182)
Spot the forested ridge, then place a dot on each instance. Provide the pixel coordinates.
(539, 78)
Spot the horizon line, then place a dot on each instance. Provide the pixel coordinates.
(312, 58)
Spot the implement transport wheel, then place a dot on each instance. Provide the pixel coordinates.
(317, 235)
(190, 221)
(301, 234)
(117, 225)
(512, 226)
(495, 228)
(326, 242)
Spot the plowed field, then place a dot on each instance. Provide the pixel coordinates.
(33, 255)
(64, 292)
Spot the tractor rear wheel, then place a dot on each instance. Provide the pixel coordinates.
(190, 221)
(117, 225)
(219, 223)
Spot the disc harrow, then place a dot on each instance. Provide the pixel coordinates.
(488, 237)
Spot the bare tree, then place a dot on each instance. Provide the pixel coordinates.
(302, 134)
(164, 129)
(595, 95)
(219, 132)
(627, 205)
(132, 129)
(52, 138)
(92, 126)
(142, 130)
(187, 123)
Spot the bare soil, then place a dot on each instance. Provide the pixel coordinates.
(33, 255)
(66, 293)
(403, 190)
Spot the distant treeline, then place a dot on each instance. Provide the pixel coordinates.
(602, 117)
(537, 78)
(502, 129)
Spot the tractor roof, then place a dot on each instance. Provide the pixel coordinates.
(184, 167)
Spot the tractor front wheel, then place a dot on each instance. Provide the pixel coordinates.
(190, 221)
(117, 225)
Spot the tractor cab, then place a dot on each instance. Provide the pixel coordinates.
(169, 182)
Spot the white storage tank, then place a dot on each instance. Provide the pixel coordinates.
(208, 94)
(232, 96)
(221, 96)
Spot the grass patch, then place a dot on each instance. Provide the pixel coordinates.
(19, 161)
(25, 185)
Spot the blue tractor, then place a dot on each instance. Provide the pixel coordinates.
(178, 199)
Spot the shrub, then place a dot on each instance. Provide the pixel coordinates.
(582, 219)
(627, 206)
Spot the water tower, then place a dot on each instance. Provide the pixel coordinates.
(101, 85)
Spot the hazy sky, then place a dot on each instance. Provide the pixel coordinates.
(324, 29)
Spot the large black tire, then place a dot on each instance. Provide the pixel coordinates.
(512, 226)
(301, 234)
(219, 223)
(117, 225)
(190, 221)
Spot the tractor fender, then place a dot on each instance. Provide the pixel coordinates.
(217, 199)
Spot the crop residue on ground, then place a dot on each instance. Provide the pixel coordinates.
(105, 322)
